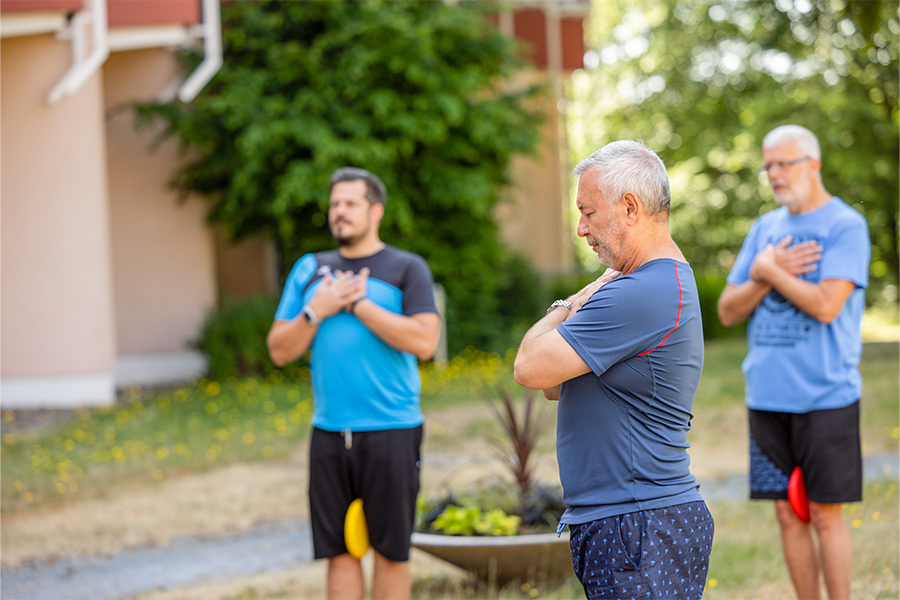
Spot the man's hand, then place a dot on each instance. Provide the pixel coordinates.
(779, 267)
(332, 295)
(796, 260)
(584, 294)
(545, 359)
(357, 289)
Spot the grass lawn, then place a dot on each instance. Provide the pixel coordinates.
(747, 563)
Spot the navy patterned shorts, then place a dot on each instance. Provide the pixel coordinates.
(659, 553)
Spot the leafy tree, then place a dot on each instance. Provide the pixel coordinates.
(702, 81)
(417, 92)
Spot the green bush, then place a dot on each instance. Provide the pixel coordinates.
(234, 338)
(521, 302)
(709, 290)
(425, 94)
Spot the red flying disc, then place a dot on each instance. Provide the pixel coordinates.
(797, 495)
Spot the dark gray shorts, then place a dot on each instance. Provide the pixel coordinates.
(382, 468)
(823, 443)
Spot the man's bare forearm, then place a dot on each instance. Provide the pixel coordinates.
(738, 302)
(289, 340)
(416, 334)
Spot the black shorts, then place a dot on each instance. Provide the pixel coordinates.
(823, 443)
(382, 468)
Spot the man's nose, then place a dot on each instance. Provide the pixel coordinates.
(582, 229)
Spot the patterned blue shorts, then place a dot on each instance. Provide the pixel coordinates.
(659, 553)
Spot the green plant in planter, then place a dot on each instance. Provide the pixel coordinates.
(499, 509)
(470, 520)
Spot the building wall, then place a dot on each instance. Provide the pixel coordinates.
(57, 321)
(533, 215)
(163, 253)
(247, 268)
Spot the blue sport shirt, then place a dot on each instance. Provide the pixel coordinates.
(622, 428)
(359, 382)
(795, 363)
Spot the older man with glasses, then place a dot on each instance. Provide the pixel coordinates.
(800, 278)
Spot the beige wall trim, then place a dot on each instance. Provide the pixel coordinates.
(163, 36)
(57, 391)
(161, 368)
(12, 25)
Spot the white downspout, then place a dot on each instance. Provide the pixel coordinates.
(212, 51)
(84, 67)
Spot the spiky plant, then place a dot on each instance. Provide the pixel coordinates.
(521, 432)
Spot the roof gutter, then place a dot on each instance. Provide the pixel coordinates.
(84, 67)
(212, 51)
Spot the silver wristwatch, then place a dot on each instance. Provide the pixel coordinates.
(310, 315)
(565, 303)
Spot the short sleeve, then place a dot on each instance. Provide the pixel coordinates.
(847, 253)
(418, 288)
(740, 272)
(626, 317)
(292, 300)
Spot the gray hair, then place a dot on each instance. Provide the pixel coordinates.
(376, 193)
(630, 166)
(805, 139)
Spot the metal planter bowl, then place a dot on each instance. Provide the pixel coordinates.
(541, 558)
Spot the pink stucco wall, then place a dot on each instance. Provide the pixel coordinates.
(162, 251)
(57, 316)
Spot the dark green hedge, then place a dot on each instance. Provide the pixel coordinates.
(234, 338)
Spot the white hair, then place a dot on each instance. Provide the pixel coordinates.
(805, 139)
(630, 166)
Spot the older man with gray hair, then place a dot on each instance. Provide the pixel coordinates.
(623, 357)
(800, 278)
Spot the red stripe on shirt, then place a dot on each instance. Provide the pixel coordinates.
(677, 317)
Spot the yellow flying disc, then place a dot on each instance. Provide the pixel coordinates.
(356, 533)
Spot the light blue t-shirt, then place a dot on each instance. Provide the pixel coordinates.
(359, 382)
(795, 363)
(622, 428)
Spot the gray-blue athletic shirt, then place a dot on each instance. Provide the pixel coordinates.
(622, 428)
(359, 382)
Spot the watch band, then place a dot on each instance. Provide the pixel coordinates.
(565, 303)
(310, 315)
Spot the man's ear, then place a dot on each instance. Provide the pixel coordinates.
(633, 207)
(377, 209)
(816, 164)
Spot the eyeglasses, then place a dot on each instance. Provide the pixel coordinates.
(781, 164)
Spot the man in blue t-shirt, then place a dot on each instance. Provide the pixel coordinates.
(623, 356)
(800, 278)
(367, 312)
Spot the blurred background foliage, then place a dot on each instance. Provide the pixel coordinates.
(702, 81)
(419, 93)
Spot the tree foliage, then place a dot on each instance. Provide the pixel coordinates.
(417, 92)
(702, 81)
